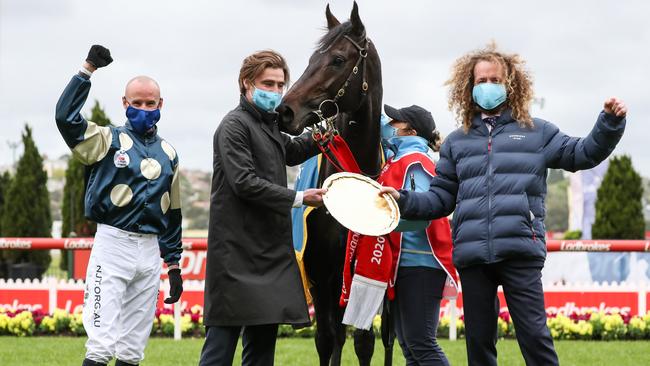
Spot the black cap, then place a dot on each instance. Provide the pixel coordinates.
(419, 118)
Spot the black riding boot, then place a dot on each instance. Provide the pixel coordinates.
(88, 362)
(122, 363)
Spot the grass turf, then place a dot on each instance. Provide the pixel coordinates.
(301, 351)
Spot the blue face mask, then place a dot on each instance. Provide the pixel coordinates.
(141, 120)
(489, 95)
(387, 131)
(267, 100)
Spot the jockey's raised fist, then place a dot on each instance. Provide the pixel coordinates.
(99, 56)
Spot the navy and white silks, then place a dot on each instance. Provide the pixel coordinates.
(134, 184)
(133, 194)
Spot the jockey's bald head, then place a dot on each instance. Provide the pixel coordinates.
(142, 92)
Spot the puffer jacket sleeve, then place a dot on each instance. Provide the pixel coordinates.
(421, 180)
(574, 153)
(440, 200)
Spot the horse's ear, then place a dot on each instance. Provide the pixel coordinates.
(357, 26)
(331, 19)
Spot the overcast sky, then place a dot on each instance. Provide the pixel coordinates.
(579, 52)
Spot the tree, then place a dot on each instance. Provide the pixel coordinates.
(26, 211)
(557, 203)
(74, 191)
(5, 181)
(619, 213)
(646, 202)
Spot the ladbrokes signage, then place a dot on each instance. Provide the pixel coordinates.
(194, 256)
(77, 243)
(16, 243)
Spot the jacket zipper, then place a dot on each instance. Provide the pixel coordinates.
(532, 230)
(489, 186)
(490, 143)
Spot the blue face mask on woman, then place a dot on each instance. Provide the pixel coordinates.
(267, 100)
(388, 134)
(489, 95)
(388, 131)
(141, 120)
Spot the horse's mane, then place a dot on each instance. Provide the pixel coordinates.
(333, 35)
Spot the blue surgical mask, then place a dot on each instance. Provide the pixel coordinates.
(489, 95)
(141, 120)
(388, 131)
(267, 100)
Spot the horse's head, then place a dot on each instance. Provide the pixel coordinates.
(341, 73)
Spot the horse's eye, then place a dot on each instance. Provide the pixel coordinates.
(338, 61)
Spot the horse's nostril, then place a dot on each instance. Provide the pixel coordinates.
(286, 114)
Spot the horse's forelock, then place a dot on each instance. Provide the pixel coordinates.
(333, 35)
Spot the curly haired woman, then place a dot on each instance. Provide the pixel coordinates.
(492, 175)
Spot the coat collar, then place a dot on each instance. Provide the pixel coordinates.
(267, 120)
(409, 144)
(504, 119)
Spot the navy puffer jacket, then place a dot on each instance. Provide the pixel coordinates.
(496, 182)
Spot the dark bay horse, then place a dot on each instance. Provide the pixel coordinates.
(344, 75)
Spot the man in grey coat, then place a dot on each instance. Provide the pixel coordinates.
(492, 175)
(252, 277)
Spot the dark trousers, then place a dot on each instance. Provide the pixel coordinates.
(258, 342)
(416, 308)
(522, 286)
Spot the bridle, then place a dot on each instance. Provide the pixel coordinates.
(361, 61)
(325, 133)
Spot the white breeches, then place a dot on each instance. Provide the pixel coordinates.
(122, 284)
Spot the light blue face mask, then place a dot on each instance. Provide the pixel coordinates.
(388, 131)
(267, 100)
(489, 95)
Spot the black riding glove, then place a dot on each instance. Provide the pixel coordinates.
(99, 56)
(175, 285)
